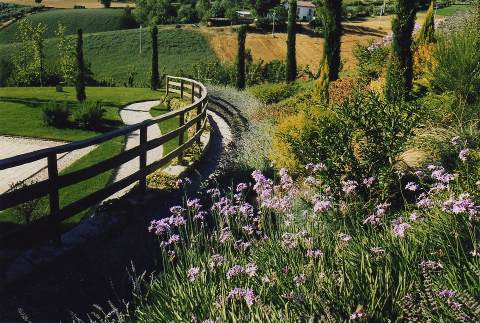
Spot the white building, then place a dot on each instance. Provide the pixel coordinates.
(305, 10)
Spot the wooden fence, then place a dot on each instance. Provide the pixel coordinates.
(48, 227)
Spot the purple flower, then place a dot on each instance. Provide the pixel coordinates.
(200, 216)
(446, 293)
(400, 227)
(234, 271)
(414, 216)
(250, 269)
(368, 182)
(177, 210)
(225, 235)
(194, 204)
(241, 187)
(411, 186)
(464, 204)
(216, 261)
(463, 155)
(424, 201)
(375, 218)
(377, 250)
(321, 205)
(441, 175)
(300, 279)
(193, 273)
(349, 186)
(242, 293)
(159, 227)
(314, 253)
(173, 239)
(455, 140)
(430, 264)
(314, 168)
(176, 221)
(358, 314)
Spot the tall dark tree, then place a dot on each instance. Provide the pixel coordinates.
(400, 71)
(81, 70)
(332, 21)
(291, 39)
(240, 60)
(155, 79)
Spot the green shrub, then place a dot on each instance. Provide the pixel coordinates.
(56, 114)
(371, 60)
(89, 115)
(273, 93)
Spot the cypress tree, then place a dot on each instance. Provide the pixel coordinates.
(332, 22)
(291, 38)
(240, 61)
(80, 82)
(155, 79)
(400, 70)
(426, 34)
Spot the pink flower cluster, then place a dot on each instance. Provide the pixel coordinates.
(249, 269)
(274, 197)
(399, 227)
(242, 293)
(375, 218)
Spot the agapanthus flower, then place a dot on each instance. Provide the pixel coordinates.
(173, 239)
(242, 293)
(289, 240)
(424, 202)
(431, 264)
(456, 306)
(464, 204)
(314, 168)
(310, 180)
(349, 187)
(463, 155)
(375, 218)
(368, 182)
(200, 216)
(234, 271)
(440, 174)
(358, 314)
(209, 321)
(399, 227)
(216, 260)
(414, 216)
(345, 237)
(177, 221)
(377, 250)
(412, 186)
(314, 253)
(214, 192)
(446, 293)
(321, 205)
(177, 210)
(455, 140)
(248, 229)
(241, 187)
(194, 204)
(250, 269)
(300, 279)
(193, 273)
(225, 235)
(159, 227)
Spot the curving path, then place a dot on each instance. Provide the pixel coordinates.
(132, 114)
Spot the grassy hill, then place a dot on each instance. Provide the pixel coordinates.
(90, 20)
(114, 55)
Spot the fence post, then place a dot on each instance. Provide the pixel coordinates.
(181, 89)
(143, 158)
(193, 92)
(181, 136)
(167, 85)
(53, 196)
(200, 108)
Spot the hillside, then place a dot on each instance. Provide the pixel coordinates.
(87, 19)
(70, 3)
(113, 55)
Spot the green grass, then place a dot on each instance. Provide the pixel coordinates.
(21, 110)
(451, 10)
(113, 55)
(27, 117)
(165, 127)
(90, 20)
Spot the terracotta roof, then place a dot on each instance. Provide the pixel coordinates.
(305, 4)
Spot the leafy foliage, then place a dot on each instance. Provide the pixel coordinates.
(426, 34)
(273, 93)
(56, 114)
(89, 115)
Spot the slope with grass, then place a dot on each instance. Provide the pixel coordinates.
(115, 56)
(89, 20)
(70, 3)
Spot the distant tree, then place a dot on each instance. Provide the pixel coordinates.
(240, 60)
(291, 39)
(332, 22)
(6, 71)
(202, 7)
(38, 1)
(426, 35)
(66, 52)
(28, 57)
(262, 7)
(81, 70)
(187, 14)
(106, 3)
(155, 78)
(127, 20)
(154, 12)
(400, 70)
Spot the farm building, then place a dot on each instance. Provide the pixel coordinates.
(305, 10)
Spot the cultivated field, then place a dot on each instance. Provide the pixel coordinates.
(70, 3)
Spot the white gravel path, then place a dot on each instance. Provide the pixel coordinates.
(132, 114)
(11, 146)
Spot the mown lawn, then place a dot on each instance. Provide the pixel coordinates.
(25, 117)
(114, 56)
(451, 10)
(90, 20)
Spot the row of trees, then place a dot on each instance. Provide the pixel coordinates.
(400, 67)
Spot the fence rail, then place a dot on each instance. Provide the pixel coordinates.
(48, 226)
